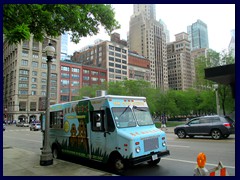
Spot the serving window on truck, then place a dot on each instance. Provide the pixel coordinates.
(56, 119)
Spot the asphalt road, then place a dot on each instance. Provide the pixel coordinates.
(181, 162)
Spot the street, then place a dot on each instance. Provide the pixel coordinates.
(181, 162)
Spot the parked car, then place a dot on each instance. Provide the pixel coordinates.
(215, 126)
(25, 124)
(4, 127)
(35, 126)
(19, 124)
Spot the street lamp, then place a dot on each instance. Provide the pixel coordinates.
(46, 156)
(217, 98)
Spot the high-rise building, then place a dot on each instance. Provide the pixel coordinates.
(231, 46)
(64, 46)
(108, 55)
(198, 35)
(147, 38)
(25, 78)
(181, 71)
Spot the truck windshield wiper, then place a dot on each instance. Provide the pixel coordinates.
(139, 109)
(124, 111)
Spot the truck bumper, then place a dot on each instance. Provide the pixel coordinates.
(148, 157)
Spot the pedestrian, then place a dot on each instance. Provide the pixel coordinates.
(164, 123)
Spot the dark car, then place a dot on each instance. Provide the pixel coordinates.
(216, 126)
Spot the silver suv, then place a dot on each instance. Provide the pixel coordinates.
(216, 126)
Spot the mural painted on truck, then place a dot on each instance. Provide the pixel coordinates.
(76, 124)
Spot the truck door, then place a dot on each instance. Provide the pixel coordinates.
(97, 139)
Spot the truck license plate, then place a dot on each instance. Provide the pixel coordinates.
(154, 157)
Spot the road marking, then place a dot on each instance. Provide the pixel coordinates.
(194, 162)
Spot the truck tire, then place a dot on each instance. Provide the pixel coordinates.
(56, 152)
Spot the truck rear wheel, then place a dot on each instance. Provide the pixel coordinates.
(56, 151)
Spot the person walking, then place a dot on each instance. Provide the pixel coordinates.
(164, 123)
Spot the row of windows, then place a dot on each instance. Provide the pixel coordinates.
(24, 62)
(117, 60)
(66, 68)
(117, 49)
(117, 54)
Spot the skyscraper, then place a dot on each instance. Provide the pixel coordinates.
(181, 71)
(198, 35)
(147, 38)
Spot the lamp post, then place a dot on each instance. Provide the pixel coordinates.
(46, 156)
(217, 98)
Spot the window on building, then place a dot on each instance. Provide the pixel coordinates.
(34, 64)
(24, 53)
(118, 54)
(117, 49)
(44, 74)
(24, 62)
(35, 55)
(85, 71)
(94, 73)
(65, 68)
(34, 73)
(23, 72)
(77, 70)
(111, 47)
(44, 66)
(53, 67)
(34, 86)
(34, 80)
(33, 106)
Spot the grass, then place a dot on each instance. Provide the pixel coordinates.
(170, 123)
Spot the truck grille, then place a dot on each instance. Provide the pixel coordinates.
(150, 143)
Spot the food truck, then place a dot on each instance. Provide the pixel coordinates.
(118, 130)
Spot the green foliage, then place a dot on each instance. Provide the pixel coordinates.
(21, 20)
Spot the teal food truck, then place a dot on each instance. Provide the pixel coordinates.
(118, 130)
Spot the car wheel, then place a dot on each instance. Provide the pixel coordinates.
(181, 133)
(216, 134)
(117, 164)
(154, 163)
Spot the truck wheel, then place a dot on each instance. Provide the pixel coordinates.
(116, 163)
(56, 152)
(154, 163)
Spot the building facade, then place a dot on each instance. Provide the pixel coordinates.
(231, 46)
(181, 71)
(146, 37)
(74, 76)
(198, 35)
(107, 55)
(138, 67)
(25, 79)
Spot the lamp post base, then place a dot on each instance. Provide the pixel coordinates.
(46, 159)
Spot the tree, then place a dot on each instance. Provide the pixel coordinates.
(52, 20)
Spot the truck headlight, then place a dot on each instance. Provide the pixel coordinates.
(164, 144)
(137, 149)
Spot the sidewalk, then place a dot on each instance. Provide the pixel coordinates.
(19, 162)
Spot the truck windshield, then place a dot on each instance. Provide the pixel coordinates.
(143, 116)
(123, 117)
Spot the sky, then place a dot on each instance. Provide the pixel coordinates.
(220, 20)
